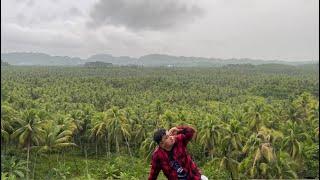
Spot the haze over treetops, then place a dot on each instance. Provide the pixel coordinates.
(42, 59)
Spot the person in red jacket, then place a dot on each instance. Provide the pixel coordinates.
(171, 155)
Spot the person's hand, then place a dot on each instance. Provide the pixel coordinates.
(174, 131)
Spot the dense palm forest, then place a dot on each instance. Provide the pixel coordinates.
(97, 122)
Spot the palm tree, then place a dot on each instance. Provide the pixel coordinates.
(284, 167)
(293, 114)
(292, 142)
(167, 119)
(272, 136)
(29, 131)
(148, 145)
(158, 110)
(264, 163)
(140, 131)
(75, 122)
(261, 154)
(8, 116)
(256, 113)
(225, 114)
(302, 103)
(260, 160)
(210, 134)
(228, 158)
(234, 135)
(55, 138)
(118, 127)
(231, 165)
(100, 130)
(182, 117)
(239, 115)
(256, 121)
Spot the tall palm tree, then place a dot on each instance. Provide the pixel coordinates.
(292, 142)
(260, 153)
(8, 116)
(99, 130)
(285, 167)
(260, 158)
(255, 114)
(75, 121)
(29, 131)
(148, 145)
(209, 135)
(55, 138)
(118, 127)
(228, 158)
(272, 136)
(140, 131)
(234, 135)
(263, 155)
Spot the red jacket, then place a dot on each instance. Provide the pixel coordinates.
(160, 158)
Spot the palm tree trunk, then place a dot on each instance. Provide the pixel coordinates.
(96, 148)
(117, 145)
(109, 147)
(105, 139)
(63, 157)
(5, 148)
(128, 146)
(58, 157)
(34, 166)
(28, 154)
(87, 170)
(49, 159)
(80, 143)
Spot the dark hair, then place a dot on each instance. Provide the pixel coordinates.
(157, 136)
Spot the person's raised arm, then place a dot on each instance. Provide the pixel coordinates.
(184, 133)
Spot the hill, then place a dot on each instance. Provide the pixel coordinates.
(151, 60)
(41, 59)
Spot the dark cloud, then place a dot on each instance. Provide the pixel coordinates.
(143, 14)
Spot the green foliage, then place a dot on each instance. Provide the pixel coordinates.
(13, 168)
(95, 123)
(61, 172)
(212, 170)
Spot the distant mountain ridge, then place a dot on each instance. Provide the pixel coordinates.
(42, 59)
(24, 58)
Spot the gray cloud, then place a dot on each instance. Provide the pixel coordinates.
(75, 12)
(143, 14)
(264, 29)
(30, 3)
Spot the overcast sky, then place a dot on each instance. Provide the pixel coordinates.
(260, 29)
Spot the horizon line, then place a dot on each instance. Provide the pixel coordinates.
(233, 58)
